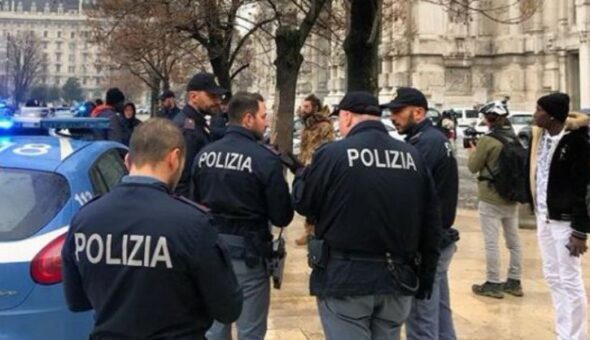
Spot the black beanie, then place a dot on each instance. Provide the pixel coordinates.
(557, 105)
(115, 96)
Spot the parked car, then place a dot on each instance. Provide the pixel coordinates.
(465, 116)
(519, 120)
(44, 181)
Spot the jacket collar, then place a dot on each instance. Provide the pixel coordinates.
(194, 114)
(241, 131)
(418, 129)
(147, 181)
(370, 125)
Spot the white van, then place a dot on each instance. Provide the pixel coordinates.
(465, 116)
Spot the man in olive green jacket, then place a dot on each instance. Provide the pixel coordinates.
(495, 211)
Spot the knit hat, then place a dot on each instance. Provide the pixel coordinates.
(557, 105)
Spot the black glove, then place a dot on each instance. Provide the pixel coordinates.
(425, 290)
(291, 162)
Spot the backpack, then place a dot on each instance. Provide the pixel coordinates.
(510, 181)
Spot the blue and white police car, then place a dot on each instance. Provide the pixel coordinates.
(44, 180)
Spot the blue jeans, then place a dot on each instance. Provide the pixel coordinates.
(432, 319)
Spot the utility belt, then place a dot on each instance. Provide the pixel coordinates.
(403, 271)
(254, 251)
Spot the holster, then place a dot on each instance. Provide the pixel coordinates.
(404, 275)
(317, 253)
(275, 264)
(257, 248)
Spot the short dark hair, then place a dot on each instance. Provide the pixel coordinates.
(152, 140)
(98, 102)
(241, 104)
(115, 96)
(315, 101)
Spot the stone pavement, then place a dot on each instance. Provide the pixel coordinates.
(293, 312)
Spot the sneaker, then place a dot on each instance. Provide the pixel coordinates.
(489, 289)
(513, 287)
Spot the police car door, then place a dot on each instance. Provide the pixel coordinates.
(107, 171)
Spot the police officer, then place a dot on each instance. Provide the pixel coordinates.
(431, 319)
(168, 102)
(242, 182)
(148, 263)
(377, 225)
(203, 96)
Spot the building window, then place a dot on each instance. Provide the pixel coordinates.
(57, 68)
(72, 45)
(45, 45)
(58, 45)
(58, 56)
(73, 35)
(72, 58)
(59, 34)
(72, 69)
(45, 34)
(84, 80)
(45, 57)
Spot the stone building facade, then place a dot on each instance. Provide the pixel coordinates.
(63, 33)
(460, 63)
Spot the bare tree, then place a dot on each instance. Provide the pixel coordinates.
(23, 63)
(290, 37)
(137, 40)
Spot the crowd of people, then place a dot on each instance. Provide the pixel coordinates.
(189, 248)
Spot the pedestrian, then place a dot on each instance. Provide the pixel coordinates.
(377, 234)
(559, 177)
(495, 211)
(431, 319)
(149, 263)
(130, 122)
(242, 182)
(168, 107)
(113, 109)
(220, 121)
(317, 130)
(203, 96)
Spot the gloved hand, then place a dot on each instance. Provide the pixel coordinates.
(291, 162)
(425, 290)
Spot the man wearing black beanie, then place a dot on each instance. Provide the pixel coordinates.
(558, 176)
(115, 99)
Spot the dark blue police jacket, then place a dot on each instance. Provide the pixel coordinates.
(242, 182)
(369, 194)
(149, 264)
(196, 135)
(436, 149)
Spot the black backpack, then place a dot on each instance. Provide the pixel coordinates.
(510, 181)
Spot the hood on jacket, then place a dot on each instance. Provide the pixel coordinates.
(576, 120)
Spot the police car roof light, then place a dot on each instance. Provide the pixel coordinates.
(76, 123)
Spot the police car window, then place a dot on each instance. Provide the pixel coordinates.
(471, 114)
(111, 169)
(29, 200)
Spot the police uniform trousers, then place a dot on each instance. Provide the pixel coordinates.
(432, 319)
(255, 284)
(369, 317)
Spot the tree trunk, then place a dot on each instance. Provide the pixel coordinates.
(288, 63)
(154, 97)
(221, 70)
(362, 46)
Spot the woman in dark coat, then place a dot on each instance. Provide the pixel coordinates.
(129, 122)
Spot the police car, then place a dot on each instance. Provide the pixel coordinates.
(44, 180)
